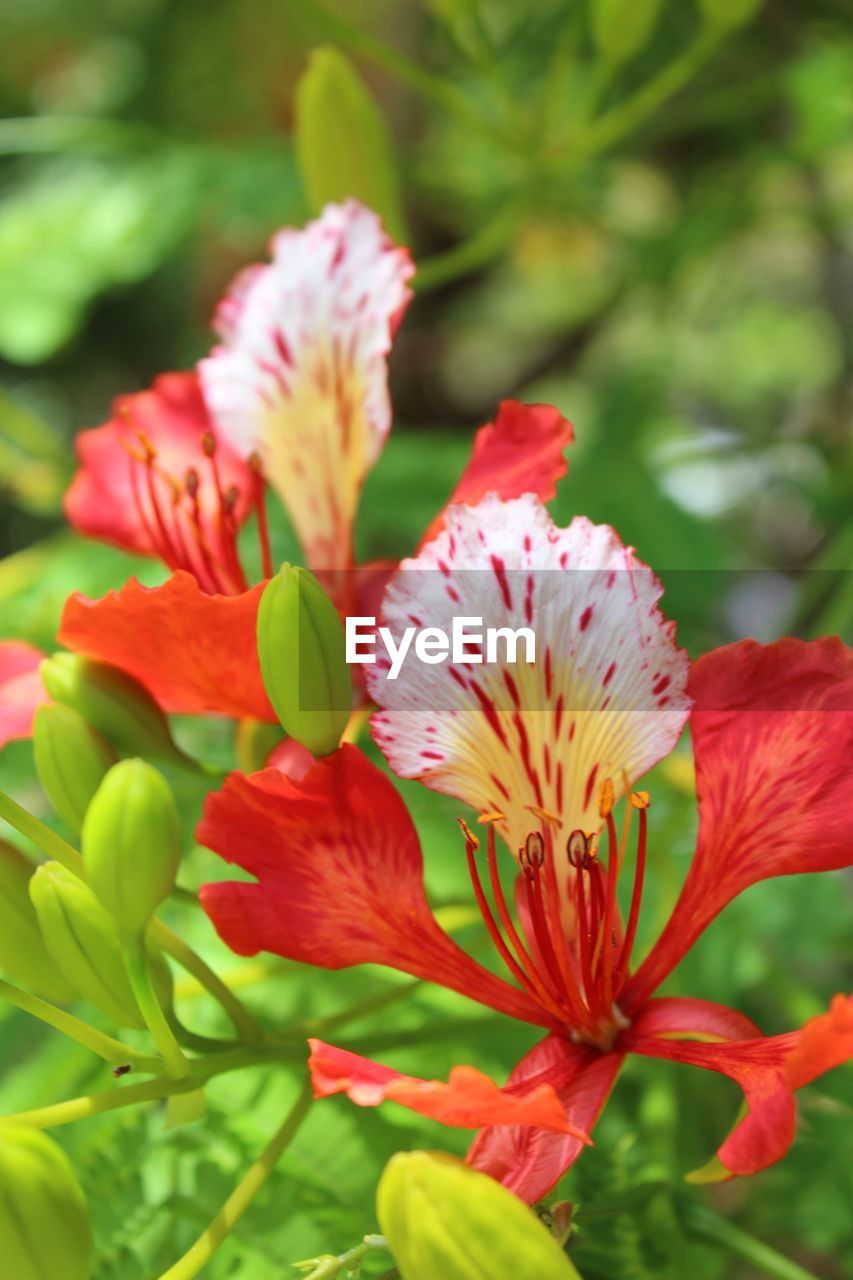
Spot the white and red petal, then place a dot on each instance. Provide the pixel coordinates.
(605, 696)
(301, 377)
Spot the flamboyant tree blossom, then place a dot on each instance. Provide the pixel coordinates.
(295, 398)
(21, 690)
(544, 753)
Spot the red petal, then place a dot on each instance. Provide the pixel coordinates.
(341, 878)
(21, 689)
(522, 451)
(768, 1069)
(773, 738)
(527, 1158)
(697, 1019)
(195, 653)
(824, 1042)
(468, 1100)
(109, 497)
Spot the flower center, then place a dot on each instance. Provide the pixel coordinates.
(572, 951)
(192, 523)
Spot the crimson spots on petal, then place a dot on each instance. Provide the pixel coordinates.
(586, 617)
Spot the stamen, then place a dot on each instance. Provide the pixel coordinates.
(545, 814)
(640, 800)
(493, 815)
(470, 838)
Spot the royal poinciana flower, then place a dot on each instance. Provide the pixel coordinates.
(21, 690)
(294, 399)
(544, 753)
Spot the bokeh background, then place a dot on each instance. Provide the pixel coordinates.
(661, 245)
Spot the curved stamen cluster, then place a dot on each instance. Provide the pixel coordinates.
(572, 952)
(186, 533)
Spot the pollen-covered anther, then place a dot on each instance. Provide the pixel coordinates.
(534, 850)
(640, 799)
(545, 814)
(208, 444)
(470, 838)
(491, 815)
(191, 482)
(255, 464)
(230, 498)
(579, 848)
(606, 798)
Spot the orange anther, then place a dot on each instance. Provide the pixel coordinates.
(470, 838)
(640, 799)
(493, 815)
(606, 798)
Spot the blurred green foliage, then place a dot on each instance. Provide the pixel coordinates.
(649, 224)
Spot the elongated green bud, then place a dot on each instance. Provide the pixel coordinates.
(444, 1219)
(302, 652)
(83, 939)
(112, 702)
(71, 760)
(44, 1225)
(132, 843)
(23, 954)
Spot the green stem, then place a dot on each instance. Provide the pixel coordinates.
(94, 1104)
(371, 1004)
(113, 1051)
(706, 1225)
(242, 1196)
(41, 835)
(136, 962)
(471, 254)
(245, 1024)
(613, 125)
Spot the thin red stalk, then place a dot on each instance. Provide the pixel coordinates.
(636, 896)
(494, 932)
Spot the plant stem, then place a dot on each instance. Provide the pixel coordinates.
(706, 1225)
(471, 254)
(113, 1051)
(244, 1023)
(136, 962)
(242, 1196)
(41, 835)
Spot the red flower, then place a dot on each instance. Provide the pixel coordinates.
(21, 689)
(295, 396)
(544, 751)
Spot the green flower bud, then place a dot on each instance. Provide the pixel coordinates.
(302, 651)
(442, 1218)
(71, 760)
(132, 843)
(23, 954)
(112, 702)
(44, 1225)
(84, 941)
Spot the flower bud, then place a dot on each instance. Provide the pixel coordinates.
(132, 843)
(23, 954)
(44, 1225)
(302, 652)
(84, 941)
(112, 702)
(442, 1218)
(71, 760)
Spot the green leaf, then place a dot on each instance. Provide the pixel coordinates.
(622, 27)
(342, 142)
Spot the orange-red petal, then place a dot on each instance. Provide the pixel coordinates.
(340, 878)
(522, 451)
(468, 1100)
(526, 1157)
(195, 653)
(772, 733)
(768, 1069)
